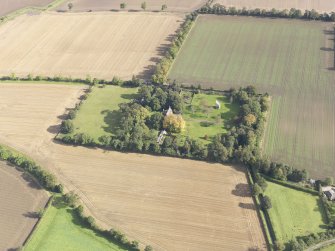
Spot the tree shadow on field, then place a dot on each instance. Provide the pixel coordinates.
(242, 190)
(320, 208)
(331, 34)
(112, 119)
(81, 223)
(30, 181)
(14, 249)
(249, 206)
(54, 129)
(31, 215)
(129, 96)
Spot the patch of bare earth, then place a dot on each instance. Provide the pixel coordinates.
(102, 45)
(152, 5)
(169, 203)
(20, 198)
(318, 5)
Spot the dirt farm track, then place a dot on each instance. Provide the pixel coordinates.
(318, 5)
(102, 44)
(171, 204)
(20, 197)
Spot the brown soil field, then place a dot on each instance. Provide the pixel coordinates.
(7, 6)
(319, 5)
(102, 45)
(171, 204)
(20, 198)
(152, 5)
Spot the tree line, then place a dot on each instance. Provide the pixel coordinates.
(163, 67)
(219, 9)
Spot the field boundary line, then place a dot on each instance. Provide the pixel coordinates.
(35, 227)
(264, 225)
(266, 126)
(12, 15)
(181, 47)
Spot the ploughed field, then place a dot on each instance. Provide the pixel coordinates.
(293, 60)
(7, 6)
(318, 5)
(171, 204)
(102, 45)
(151, 5)
(20, 199)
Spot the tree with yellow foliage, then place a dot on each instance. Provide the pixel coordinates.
(250, 119)
(174, 123)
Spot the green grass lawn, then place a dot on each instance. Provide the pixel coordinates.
(59, 229)
(99, 114)
(292, 60)
(202, 118)
(294, 213)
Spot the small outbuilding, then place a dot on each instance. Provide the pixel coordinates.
(329, 192)
(217, 104)
(161, 137)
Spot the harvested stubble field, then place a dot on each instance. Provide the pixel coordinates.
(7, 6)
(152, 5)
(318, 5)
(293, 60)
(20, 198)
(171, 204)
(102, 45)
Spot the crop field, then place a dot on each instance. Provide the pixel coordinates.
(20, 198)
(168, 203)
(271, 54)
(99, 114)
(203, 120)
(318, 5)
(152, 5)
(294, 213)
(61, 229)
(12, 5)
(102, 45)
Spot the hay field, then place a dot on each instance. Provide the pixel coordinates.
(7, 6)
(319, 5)
(171, 204)
(152, 5)
(294, 213)
(102, 45)
(292, 60)
(20, 197)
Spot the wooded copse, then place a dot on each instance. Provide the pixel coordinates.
(141, 119)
